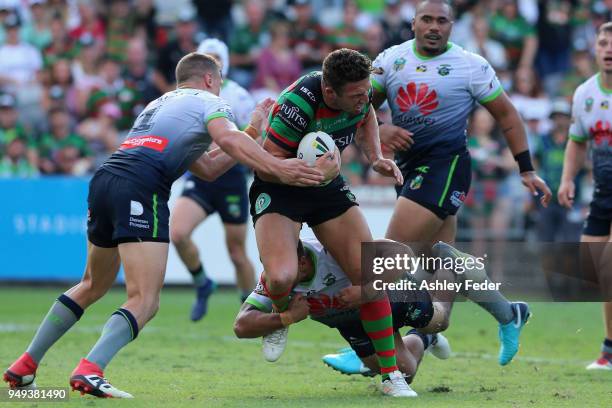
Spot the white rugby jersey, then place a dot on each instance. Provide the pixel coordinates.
(432, 97)
(321, 291)
(240, 100)
(591, 120)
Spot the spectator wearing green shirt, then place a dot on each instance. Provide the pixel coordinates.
(346, 35)
(247, 43)
(37, 31)
(114, 89)
(11, 129)
(120, 27)
(62, 151)
(15, 163)
(515, 33)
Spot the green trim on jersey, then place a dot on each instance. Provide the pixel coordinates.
(493, 96)
(602, 88)
(578, 139)
(257, 304)
(217, 115)
(449, 45)
(448, 180)
(301, 103)
(155, 220)
(377, 85)
(313, 258)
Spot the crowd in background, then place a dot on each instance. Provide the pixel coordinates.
(75, 73)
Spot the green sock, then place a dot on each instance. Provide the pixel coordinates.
(199, 275)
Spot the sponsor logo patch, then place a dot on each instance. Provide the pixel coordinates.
(457, 198)
(136, 208)
(262, 202)
(157, 143)
(420, 95)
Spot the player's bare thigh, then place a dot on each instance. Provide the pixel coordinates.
(342, 237)
(277, 239)
(411, 223)
(440, 318)
(186, 216)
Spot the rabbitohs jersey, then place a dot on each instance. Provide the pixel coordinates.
(321, 291)
(300, 109)
(591, 120)
(432, 97)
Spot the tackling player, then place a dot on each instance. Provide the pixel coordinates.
(227, 195)
(321, 290)
(592, 120)
(128, 215)
(432, 87)
(335, 101)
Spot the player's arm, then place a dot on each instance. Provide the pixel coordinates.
(513, 129)
(575, 157)
(575, 152)
(254, 322)
(216, 162)
(367, 139)
(244, 149)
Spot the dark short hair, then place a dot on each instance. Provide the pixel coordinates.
(194, 65)
(422, 3)
(343, 66)
(605, 28)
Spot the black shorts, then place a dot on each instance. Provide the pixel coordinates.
(227, 195)
(415, 314)
(599, 219)
(312, 205)
(120, 210)
(438, 184)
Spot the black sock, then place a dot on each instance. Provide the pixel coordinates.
(427, 339)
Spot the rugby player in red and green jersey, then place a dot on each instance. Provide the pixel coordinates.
(335, 101)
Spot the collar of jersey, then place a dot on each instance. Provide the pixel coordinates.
(449, 45)
(603, 89)
(313, 258)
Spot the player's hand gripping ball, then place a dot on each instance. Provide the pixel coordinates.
(313, 146)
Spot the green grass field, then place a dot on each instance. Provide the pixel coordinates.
(176, 363)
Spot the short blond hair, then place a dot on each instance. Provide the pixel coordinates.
(194, 65)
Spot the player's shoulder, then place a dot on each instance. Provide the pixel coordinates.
(390, 54)
(191, 93)
(586, 88)
(471, 58)
(308, 88)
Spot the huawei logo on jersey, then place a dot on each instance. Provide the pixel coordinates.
(152, 142)
(425, 99)
(602, 131)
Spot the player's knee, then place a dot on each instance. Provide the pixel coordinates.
(237, 254)
(239, 329)
(279, 283)
(179, 236)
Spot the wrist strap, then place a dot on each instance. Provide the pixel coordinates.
(524, 161)
(286, 319)
(251, 131)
